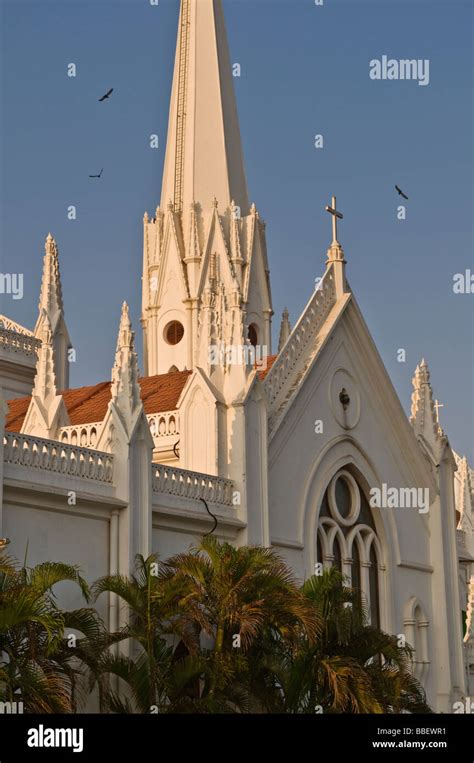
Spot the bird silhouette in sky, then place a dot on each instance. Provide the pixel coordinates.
(401, 192)
(107, 95)
(97, 176)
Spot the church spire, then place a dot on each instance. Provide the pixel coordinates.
(205, 267)
(203, 153)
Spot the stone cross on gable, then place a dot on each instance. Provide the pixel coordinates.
(437, 406)
(335, 216)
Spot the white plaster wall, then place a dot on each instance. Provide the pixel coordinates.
(59, 537)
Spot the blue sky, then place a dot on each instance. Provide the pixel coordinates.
(304, 71)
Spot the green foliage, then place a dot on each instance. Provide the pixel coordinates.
(215, 630)
(37, 665)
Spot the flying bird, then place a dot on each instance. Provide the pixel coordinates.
(107, 95)
(401, 192)
(97, 176)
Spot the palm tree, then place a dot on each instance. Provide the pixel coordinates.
(37, 664)
(145, 670)
(229, 596)
(353, 667)
(232, 597)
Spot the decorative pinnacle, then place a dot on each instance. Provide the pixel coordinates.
(125, 334)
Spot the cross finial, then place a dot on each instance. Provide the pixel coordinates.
(437, 406)
(335, 216)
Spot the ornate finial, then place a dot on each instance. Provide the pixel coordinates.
(215, 203)
(145, 217)
(50, 245)
(253, 209)
(170, 206)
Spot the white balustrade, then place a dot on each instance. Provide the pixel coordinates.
(84, 435)
(38, 453)
(164, 424)
(16, 341)
(194, 485)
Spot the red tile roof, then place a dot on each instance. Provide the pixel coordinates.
(86, 405)
(89, 404)
(270, 359)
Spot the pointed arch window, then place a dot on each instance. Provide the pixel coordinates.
(253, 334)
(347, 539)
(416, 632)
(337, 557)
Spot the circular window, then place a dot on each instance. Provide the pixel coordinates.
(253, 334)
(344, 498)
(174, 332)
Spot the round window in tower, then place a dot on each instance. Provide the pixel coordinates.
(174, 332)
(253, 335)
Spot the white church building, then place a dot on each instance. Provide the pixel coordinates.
(287, 449)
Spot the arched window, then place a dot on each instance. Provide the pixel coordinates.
(336, 551)
(253, 334)
(347, 539)
(416, 633)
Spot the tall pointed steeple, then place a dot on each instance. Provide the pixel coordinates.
(203, 153)
(204, 257)
(51, 307)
